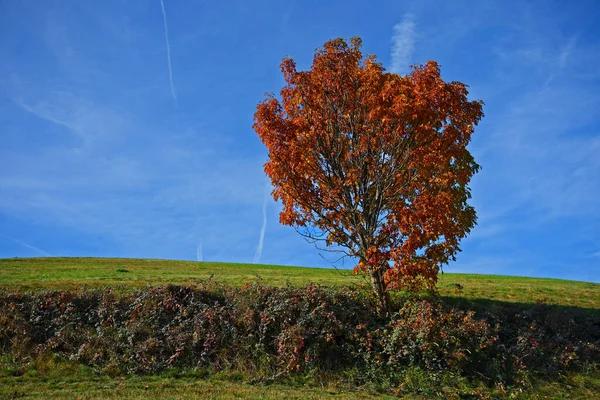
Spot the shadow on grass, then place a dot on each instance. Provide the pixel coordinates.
(482, 306)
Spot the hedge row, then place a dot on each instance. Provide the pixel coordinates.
(271, 332)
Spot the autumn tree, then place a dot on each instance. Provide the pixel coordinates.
(373, 162)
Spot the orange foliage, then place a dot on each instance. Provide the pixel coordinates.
(373, 162)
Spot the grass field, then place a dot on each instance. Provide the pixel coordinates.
(67, 381)
(127, 274)
(87, 386)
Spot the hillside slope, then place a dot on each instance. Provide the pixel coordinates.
(125, 274)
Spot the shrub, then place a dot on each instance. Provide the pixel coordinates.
(428, 335)
(268, 332)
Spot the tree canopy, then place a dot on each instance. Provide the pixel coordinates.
(373, 162)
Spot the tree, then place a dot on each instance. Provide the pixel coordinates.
(373, 162)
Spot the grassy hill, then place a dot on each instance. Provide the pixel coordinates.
(48, 378)
(126, 274)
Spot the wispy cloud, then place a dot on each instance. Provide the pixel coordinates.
(91, 123)
(545, 130)
(29, 246)
(403, 43)
(164, 13)
(563, 57)
(261, 239)
(44, 111)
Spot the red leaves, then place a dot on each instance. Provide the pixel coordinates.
(372, 161)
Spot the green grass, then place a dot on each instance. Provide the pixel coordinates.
(49, 380)
(126, 274)
(66, 273)
(159, 388)
(70, 381)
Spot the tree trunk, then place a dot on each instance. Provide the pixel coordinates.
(382, 294)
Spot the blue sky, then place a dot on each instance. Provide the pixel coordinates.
(119, 140)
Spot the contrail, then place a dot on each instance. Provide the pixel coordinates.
(24, 244)
(261, 240)
(199, 251)
(164, 13)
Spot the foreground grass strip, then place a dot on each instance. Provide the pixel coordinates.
(86, 386)
(159, 388)
(128, 274)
